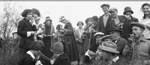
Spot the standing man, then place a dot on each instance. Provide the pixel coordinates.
(129, 19)
(140, 45)
(116, 19)
(104, 20)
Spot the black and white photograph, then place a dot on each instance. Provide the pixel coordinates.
(74, 32)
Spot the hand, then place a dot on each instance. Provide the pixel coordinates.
(33, 32)
(41, 36)
(91, 53)
(38, 62)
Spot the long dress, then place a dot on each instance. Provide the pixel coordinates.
(146, 32)
(78, 33)
(70, 46)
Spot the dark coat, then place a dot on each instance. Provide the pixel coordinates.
(121, 18)
(27, 60)
(121, 43)
(127, 28)
(100, 26)
(23, 27)
(70, 46)
(62, 60)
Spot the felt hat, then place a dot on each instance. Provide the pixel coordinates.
(109, 47)
(36, 45)
(127, 9)
(57, 48)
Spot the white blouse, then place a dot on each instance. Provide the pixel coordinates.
(146, 32)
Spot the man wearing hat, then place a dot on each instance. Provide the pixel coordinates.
(140, 45)
(91, 53)
(59, 57)
(115, 34)
(116, 19)
(108, 54)
(33, 56)
(129, 19)
(104, 20)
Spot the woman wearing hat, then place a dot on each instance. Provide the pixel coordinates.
(59, 57)
(146, 18)
(129, 19)
(26, 30)
(49, 28)
(88, 33)
(70, 45)
(39, 27)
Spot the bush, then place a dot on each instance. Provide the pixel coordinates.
(9, 52)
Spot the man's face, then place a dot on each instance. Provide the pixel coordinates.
(137, 31)
(114, 35)
(105, 9)
(98, 39)
(113, 13)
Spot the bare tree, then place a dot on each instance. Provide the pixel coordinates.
(9, 20)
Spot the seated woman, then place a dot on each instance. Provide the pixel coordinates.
(59, 57)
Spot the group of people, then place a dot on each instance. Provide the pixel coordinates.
(110, 39)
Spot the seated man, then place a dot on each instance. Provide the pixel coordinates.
(108, 54)
(91, 53)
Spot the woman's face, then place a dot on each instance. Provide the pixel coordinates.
(146, 9)
(80, 25)
(89, 22)
(29, 16)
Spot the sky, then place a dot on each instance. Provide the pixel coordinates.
(75, 10)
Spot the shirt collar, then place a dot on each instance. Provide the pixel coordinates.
(106, 14)
(143, 39)
(117, 39)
